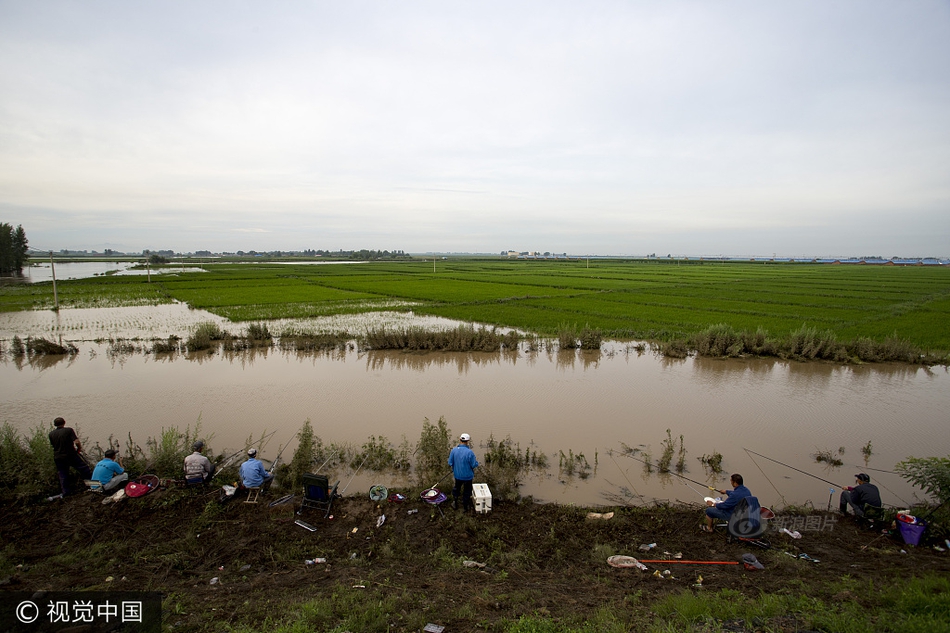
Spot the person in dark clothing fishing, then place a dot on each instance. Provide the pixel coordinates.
(463, 462)
(862, 494)
(67, 453)
(722, 510)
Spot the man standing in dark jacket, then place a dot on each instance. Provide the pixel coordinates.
(66, 454)
(861, 494)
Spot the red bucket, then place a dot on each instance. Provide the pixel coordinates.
(911, 533)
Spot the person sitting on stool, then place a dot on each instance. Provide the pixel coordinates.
(198, 468)
(253, 474)
(723, 509)
(861, 494)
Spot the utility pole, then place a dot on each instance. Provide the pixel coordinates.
(52, 268)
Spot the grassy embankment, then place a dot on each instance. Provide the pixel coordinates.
(398, 578)
(840, 313)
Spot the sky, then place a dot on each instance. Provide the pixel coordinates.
(737, 128)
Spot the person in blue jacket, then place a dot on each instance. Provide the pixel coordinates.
(723, 509)
(463, 462)
(253, 474)
(108, 472)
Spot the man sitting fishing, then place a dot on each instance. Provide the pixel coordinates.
(109, 473)
(198, 468)
(253, 474)
(862, 494)
(722, 510)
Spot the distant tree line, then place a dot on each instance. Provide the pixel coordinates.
(14, 248)
(362, 254)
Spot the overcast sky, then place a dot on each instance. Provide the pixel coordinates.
(697, 128)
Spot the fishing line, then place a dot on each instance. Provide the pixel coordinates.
(328, 460)
(766, 476)
(793, 468)
(610, 453)
(354, 474)
(694, 490)
(670, 472)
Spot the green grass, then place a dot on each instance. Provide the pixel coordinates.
(621, 299)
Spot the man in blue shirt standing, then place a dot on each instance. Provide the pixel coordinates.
(723, 509)
(109, 473)
(463, 462)
(253, 474)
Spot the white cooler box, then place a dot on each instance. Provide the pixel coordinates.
(481, 495)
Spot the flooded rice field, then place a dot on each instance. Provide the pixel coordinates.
(553, 402)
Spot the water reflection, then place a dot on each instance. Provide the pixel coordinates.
(563, 403)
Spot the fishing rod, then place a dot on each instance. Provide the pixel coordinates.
(793, 468)
(670, 472)
(354, 475)
(227, 461)
(276, 461)
(328, 459)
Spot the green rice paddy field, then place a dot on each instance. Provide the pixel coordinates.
(623, 299)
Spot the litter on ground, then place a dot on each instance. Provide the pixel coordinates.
(626, 561)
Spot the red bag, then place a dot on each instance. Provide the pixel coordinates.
(141, 486)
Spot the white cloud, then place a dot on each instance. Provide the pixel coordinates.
(602, 127)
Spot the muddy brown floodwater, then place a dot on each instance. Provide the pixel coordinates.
(552, 402)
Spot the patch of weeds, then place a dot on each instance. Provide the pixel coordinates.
(867, 451)
(432, 451)
(712, 463)
(832, 458)
(571, 465)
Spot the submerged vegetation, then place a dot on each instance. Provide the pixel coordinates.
(792, 311)
(832, 458)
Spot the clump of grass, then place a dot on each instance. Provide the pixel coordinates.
(567, 337)
(464, 338)
(832, 458)
(205, 336)
(167, 452)
(303, 460)
(681, 456)
(17, 348)
(867, 451)
(676, 348)
(712, 463)
(591, 339)
(312, 342)
(571, 465)
(378, 454)
(668, 447)
(432, 451)
(167, 346)
(45, 347)
(505, 464)
(26, 462)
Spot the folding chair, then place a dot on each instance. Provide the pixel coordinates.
(93, 485)
(748, 522)
(252, 494)
(318, 494)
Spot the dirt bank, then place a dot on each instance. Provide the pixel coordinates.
(546, 560)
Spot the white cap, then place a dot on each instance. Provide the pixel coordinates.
(252, 452)
(465, 437)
